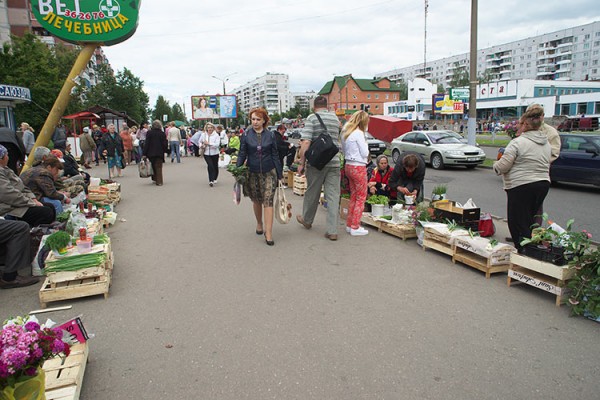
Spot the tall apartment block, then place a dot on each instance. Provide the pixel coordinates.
(571, 54)
(271, 91)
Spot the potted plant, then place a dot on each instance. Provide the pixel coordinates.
(377, 202)
(584, 297)
(26, 346)
(58, 242)
(439, 193)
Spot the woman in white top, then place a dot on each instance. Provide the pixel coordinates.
(211, 141)
(356, 154)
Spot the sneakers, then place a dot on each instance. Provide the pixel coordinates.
(301, 222)
(210, 183)
(20, 281)
(215, 181)
(359, 232)
(348, 229)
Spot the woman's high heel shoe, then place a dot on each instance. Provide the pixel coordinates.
(269, 242)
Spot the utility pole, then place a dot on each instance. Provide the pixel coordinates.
(472, 125)
(425, 43)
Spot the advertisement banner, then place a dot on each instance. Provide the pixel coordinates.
(442, 104)
(212, 107)
(104, 22)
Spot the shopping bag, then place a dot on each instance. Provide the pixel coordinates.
(283, 209)
(237, 193)
(145, 168)
(486, 225)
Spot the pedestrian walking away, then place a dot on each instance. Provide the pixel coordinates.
(328, 177)
(154, 149)
(174, 139)
(258, 149)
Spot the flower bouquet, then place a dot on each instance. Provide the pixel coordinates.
(24, 346)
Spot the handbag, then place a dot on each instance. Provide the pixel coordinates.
(145, 168)
(282, 209)
(486, 225)
(322, 149)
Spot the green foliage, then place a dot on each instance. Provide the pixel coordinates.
(177, 113)
(485, 77)
(28, 62)
(378, 199)
(162, 107)
(239, 173)
(585, 283)
(58, 240)
(440, 189)
(460, 77)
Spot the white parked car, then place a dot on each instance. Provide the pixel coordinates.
(439, 148)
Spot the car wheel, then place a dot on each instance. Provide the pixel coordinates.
(395, 156)
(471, 166)
(437, 162)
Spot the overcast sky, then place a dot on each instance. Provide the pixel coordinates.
(179, 45)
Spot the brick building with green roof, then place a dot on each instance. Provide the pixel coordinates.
(345, 94)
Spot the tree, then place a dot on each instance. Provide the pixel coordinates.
(162, 108)
(440, 88)
(129, 96)
(485, 77)
(460, 77)
(28, 62)
(177, 113)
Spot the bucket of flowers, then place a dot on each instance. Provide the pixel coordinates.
(24, 346)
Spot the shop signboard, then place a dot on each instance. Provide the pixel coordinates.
(105, 22)
(459, 94)
(215, 106)
(15, 93)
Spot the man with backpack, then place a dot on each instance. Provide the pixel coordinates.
(320, 122)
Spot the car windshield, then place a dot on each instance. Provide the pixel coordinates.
(595, 140)
(368, 136)
(442, 138)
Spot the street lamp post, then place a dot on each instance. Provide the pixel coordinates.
(224, 79)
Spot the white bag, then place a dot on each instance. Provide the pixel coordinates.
(283, 209)
(145, 168)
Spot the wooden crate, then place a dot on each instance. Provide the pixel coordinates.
(74, 289)
(84, 273)
(438, 242)
(290, 178)
(65, 378)
(403, 231)
(299, 185)
(539, 274)
(478, 262)
(367, 219)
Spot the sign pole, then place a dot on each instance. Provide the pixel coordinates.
(62, 100)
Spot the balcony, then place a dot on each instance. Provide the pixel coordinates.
(545, 73)
(565, 44)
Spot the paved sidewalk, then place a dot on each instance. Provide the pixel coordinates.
(201, 308)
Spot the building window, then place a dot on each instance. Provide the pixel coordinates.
(368, 96)
(395, 97)
(581, 108)
(387, 96)
(354, 96)
(377, 107)
(377, 96)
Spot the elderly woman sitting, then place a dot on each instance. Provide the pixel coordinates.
(380, 180)
(40, 180)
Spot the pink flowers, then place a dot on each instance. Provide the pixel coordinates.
(24, 347)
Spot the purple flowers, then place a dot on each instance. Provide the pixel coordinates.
(24, 348)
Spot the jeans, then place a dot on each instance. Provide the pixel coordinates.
(315, 179)
(174, 151)
(57, 204)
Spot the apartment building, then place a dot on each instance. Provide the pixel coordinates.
(571, 54)
(271, 91)
(304, 100)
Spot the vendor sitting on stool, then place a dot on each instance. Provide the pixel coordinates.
(379, 182)
(408, 176)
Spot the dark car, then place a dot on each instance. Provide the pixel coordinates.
(376, 146)
(579, 160)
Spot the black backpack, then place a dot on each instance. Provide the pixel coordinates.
(322, 149)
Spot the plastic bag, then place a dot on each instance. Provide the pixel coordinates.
(33, 388)
(486, 225)
(237, 193)
(145, 168)
(283, 209)
(76, 222)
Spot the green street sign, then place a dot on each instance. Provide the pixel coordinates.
(459, 94)
(104, 22)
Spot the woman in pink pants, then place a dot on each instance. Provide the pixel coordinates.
(356, 154)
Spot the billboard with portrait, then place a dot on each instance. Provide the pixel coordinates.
(214, 106)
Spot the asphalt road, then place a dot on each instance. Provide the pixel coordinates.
(564, 202)
(201, 308)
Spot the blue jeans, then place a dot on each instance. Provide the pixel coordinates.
(57, 204)
(174, 150)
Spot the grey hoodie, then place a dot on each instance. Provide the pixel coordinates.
(525, 160)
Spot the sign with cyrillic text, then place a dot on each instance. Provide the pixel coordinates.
(104, 22)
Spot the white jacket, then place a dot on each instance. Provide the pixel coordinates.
(356, 150)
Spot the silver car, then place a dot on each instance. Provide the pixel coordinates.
(439, 148)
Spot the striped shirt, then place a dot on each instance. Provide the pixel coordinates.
(312, 130)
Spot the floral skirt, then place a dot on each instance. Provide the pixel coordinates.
(260, 187)
(115, 161)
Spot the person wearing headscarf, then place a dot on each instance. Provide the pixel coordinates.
(379, 183)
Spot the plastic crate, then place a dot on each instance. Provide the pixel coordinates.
(553, 254)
